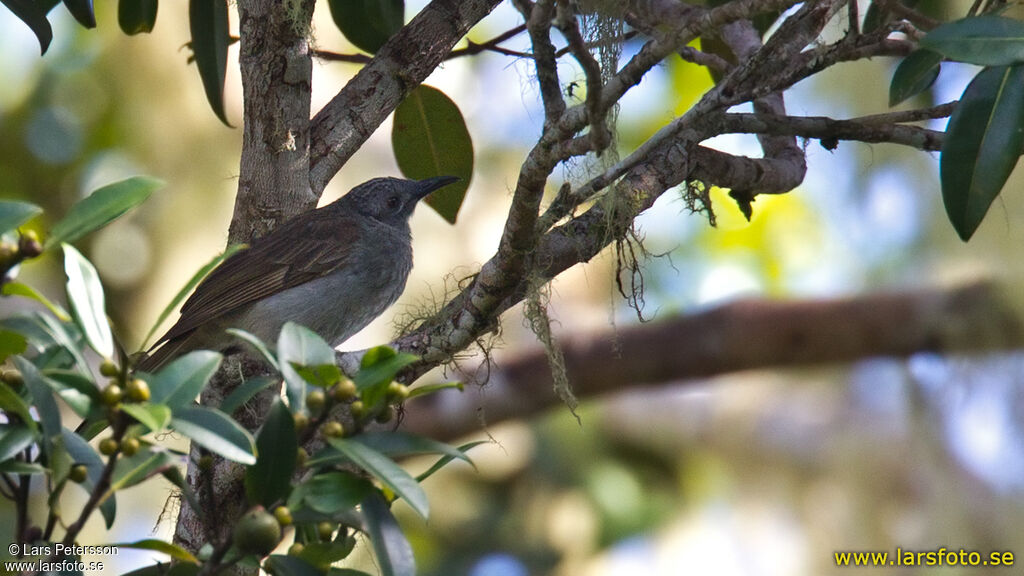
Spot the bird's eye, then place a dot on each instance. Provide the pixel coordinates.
(394, 203)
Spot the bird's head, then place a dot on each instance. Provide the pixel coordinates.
(392, 200)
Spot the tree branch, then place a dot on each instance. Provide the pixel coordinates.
(344, 124)
(743, 335)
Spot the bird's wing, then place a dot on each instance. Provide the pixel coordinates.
(299, 251)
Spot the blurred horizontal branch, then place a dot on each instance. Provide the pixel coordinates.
(742, 335)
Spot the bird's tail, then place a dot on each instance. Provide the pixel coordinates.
(156, 359)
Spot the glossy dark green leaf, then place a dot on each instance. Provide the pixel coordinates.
(299, 345)
(383, 369)
(136, 16)
(429, 138)
(24, 290)
(155, 417)
(88, 304)
(180, 382)
(11, 343)
(19, 467)
(270, 479)
(42, 398)
(82, 453)
(397, 444)
(983, 141)
(14, 404)
(258, 345)
(82, 11)
(132, 470)
(15, 439)
(915, 74)
(394, 554)
(245, 391)
(77, 390)
(14, 214)
(331, 492)
(982, 40)
(217, 432)
(322, 376)
(172, 550)
(385, 470)
(211, 35)
(66, 337)
(35, 18)
(287, 565)
(368, 24)
(189, 286)
(102, 207)
(444, 460)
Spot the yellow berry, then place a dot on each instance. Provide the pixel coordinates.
(137, 390)
(109, 369)
(283, 515)
(344, 390)
(333, 429)
(112, 394)
(397, 392)
(357, 409)
(316, 400)
(296, 549)
(78, 473)
(324, 530)
(108, 446)
(130, 446)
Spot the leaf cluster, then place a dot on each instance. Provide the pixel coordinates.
(346, 486)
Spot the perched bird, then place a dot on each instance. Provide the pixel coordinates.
(333, 270)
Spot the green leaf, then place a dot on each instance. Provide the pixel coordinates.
(379, 367)
(217, 432)
(983, 141)
(63, 338)
(32, 15)
(333, 491)
(982, 40)
(398, 444)
(102, 207)
(15, 439)
(432, 388)
(42, 399)
(11, 402)
(429, 138)
(245, 391)
(132, 470)
(19, 467)
(172, 550)
(82, 11)
(286, 565)
(270, 479)
(14, 214)
(211, 35)
(11, 343)
(19, 289)
(187, 289)
(77, 390)
(443, 461)
(299, 345)
(258, 345)
(136, 16)
(178, 383)
(915, 74)
(88, 305)
(394, 554)
(82, 453)
(368, 24)
(322, 376)
(155, 417)
(389, 473)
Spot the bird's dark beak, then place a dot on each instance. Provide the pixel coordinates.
(425, 187)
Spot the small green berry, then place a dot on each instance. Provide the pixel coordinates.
(283, 515)
(112, 394)
(301, 421)
(78, 473)
(357, 409)
(108, 446)
(333, 429)
(324, 530)
(397, 392)
(385, 415)
(130, 446)
(316, 400)
(344, 390)
(109, 369)
(137, 390)
(257, 532)
(296, 549)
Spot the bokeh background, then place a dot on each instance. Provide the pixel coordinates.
(756, 473)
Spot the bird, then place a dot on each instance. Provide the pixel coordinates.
(332, 270)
